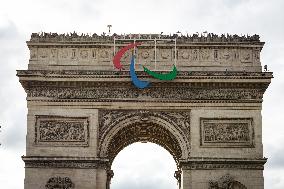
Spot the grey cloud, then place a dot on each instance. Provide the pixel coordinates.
(12, 117)
(8, 31)
(233, 4)
(275, 156)
(14, 131)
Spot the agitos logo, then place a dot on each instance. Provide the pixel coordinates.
(135, 80)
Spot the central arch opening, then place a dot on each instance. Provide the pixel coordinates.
(167, 131)
(144, 165)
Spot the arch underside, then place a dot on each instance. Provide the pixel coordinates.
(144, 132)
(120, 128)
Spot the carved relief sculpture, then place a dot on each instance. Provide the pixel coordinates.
(73, 54)
(110, 174)
(43, 53)
(226, 182)
(84, 54)
(104, 54)
(226, 132)
(184, 54)
(53, 54)
(195, 55)
(145, 54)
(246, 56)
(59, 183)
(63, 53)
(33, 53)
(61, 131)
(165, 54)
(205, 54)
(226, 54)
(101, 93)
(177, 175)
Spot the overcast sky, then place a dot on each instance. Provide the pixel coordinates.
(154, 170)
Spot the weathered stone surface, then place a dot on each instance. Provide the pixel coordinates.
(59, 182)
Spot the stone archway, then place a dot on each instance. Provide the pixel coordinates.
(120, 128)
(82, 112)
(139, 132)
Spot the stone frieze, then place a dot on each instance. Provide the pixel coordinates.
(227, 132)
(61, 131)
(59, 183)
(153, 93)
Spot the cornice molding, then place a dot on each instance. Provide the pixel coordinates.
(64, 162)
(106, 86)
(123, 74)
(222, 163)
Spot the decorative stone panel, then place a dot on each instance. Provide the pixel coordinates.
(59, 183)
(226, 132)
(61, 131)
(226, 182)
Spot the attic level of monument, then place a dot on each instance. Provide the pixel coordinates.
(158, 52)
(82, 110)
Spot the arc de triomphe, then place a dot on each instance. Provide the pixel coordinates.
(82, 111)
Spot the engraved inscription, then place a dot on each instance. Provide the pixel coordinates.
(53, 130)
(226, 132)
